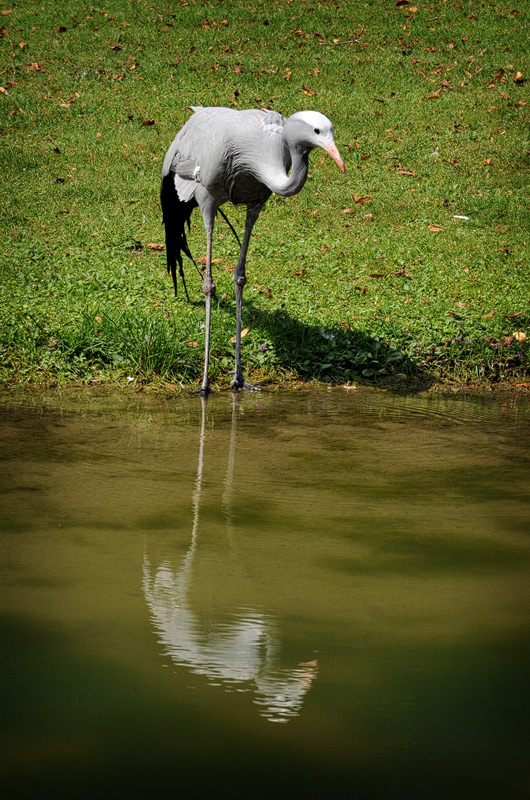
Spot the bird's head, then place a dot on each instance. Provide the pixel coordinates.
(309, 129)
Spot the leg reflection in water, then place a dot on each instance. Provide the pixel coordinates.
(240, 649)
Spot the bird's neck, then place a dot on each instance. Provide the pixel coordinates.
(291, 184)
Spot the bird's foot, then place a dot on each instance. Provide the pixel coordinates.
(204, 391)
(242, 384)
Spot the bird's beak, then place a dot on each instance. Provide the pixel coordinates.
(332, 151)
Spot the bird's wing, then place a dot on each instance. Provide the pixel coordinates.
(186, 176)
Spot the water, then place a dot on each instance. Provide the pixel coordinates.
(293, 595)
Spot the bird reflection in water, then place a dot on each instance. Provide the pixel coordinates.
(239, 651)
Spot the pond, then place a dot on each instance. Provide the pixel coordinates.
(313, 593)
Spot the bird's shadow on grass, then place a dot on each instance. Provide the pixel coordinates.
(332, 354)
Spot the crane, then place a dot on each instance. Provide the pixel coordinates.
(244, 156)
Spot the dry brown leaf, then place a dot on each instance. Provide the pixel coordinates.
(192, 344)
(519, 335)
(307, 90)
(147, 122)
(243, 334)
(435, 228)
(360, 199)
(155, 246)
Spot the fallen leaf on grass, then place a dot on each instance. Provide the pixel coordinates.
(202, 260)
(511, 316)
(155, 246)
(462, 304)
(192, 344)
(519, 78)
(435, 228)
(308, 91)
(243, 334)
(519, 335)
(147, 122)
(360, 199)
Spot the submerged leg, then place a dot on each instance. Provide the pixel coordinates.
(209, 291)
(240, 280)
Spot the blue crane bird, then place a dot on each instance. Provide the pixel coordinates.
(223, 154)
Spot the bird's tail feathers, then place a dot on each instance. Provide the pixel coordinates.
(175, 216)
(222, 213)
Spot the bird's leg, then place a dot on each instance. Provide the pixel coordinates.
(240, 280)
(209, 291)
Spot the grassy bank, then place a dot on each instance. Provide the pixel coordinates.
(416, 263)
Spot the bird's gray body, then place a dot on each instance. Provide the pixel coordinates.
(223, 154)
(215, 153)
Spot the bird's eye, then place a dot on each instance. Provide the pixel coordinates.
(317, 131)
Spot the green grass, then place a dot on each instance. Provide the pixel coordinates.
(430, 103)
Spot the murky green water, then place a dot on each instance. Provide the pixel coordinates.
(301, 595)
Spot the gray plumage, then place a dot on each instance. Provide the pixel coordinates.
(223, 154)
